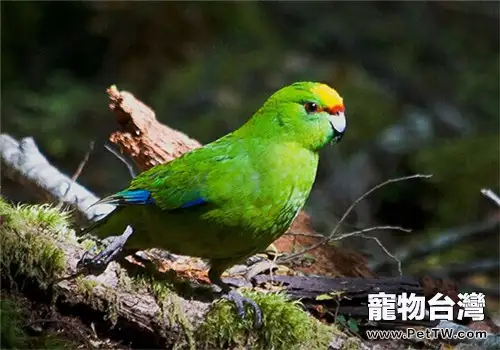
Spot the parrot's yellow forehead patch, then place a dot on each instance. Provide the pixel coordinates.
(328, 96)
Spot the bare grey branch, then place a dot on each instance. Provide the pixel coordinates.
(23, 163)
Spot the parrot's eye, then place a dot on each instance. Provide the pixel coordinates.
(311, 107)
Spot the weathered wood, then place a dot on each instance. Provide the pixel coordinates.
(141, 135)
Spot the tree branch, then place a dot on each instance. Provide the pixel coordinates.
(442, 241)
(330, 237)
(22, 162)
(491, 195)
(468, 268)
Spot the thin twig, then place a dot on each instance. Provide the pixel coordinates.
(124, 160)
(373, 189)
(389, 254)
(444, 240)
(491, 195)
(360, 234)
(77, 173)
(348, 211)
(315, 235)
(352, 233)
(369, 229)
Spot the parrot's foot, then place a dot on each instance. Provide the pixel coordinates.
(240, 301)
(113, 251)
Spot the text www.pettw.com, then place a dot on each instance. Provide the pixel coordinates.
(427, 333)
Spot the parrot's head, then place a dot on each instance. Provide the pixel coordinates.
(306, 112)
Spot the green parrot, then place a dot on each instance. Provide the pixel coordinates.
(233, 197)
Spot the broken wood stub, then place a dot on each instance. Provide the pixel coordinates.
(141, 136)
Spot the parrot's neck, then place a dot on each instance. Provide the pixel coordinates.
(279, 160)
(263, 128)
(273, 149)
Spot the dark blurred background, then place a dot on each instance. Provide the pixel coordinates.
(420, 81)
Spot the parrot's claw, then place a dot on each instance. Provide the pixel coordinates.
(240, 301)
(111, 252)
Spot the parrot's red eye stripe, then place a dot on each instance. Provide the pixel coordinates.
(336, 109)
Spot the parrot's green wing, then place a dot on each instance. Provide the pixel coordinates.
(180, 184)
(197, 178)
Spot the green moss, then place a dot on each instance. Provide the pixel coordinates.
(351, 344)
(170, 307)
(285, 326)
(85, 285)
(113, 307)
(27, 240)
(160, 289)
(88, 244)
(109, 303)
(86, 288)
(163, 283)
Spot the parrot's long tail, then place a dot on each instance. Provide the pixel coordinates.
(96, 224)
(93, 226)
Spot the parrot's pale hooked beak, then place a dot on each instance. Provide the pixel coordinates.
(338, 123)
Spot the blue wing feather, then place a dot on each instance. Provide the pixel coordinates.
(143, 197)
(136, 197)
(193, 203)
